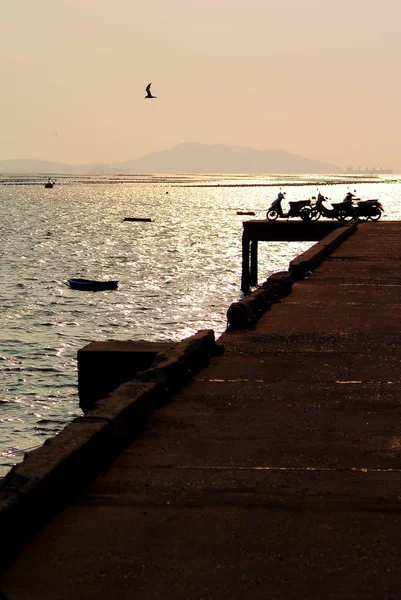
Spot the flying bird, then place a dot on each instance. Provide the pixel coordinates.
(148, 92)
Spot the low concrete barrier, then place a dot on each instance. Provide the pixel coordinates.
(309, 260)
(36, 489)
(174, 368)
(282, 281)
(245, 313)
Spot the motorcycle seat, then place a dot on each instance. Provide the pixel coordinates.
(300, 203)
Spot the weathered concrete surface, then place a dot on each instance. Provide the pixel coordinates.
(50, 476)
(244, 313)
(276, 473)
(309, 260)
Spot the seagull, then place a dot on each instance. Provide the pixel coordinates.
(148, 92)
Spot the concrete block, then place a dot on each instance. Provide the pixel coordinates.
(103, 366)
(174, 368)
(283, 281)
(127, 408)
(240, 315)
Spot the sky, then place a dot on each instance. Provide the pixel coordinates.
(312, 77)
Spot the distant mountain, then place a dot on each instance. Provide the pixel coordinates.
(189, 158)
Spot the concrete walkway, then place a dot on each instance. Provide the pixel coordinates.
(275, 474)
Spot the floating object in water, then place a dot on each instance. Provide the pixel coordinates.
(147, 220)
(240, 212)
(91, 285)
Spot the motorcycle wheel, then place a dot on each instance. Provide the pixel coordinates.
(306, 214)
(363, 218)
(344, 216)
(271, 215)
(377, 213)
(315, 215)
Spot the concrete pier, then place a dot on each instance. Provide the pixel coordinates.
(275, 473)
(256, 231)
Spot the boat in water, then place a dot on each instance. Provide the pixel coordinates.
(90, 285)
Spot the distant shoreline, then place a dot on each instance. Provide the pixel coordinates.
(201, 180)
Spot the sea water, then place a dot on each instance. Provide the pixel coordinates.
(177, 273)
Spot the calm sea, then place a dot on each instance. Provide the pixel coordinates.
(177, 274)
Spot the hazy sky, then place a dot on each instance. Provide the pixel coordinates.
(313, 77)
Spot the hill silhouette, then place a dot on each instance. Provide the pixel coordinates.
(189, 158)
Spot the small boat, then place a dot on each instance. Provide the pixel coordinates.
(49, 184)
(144, 219)
(91, 285)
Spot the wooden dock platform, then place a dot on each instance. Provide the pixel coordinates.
(274, 474)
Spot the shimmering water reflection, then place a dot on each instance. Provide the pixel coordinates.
(177, 274)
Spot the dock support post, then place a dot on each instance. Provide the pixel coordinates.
(263, 231)
(245, 283)
(253, 278)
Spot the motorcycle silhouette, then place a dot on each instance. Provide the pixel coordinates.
(368, 210)
(321, 208)
(301, 208)
(350, 209)
(346, 210)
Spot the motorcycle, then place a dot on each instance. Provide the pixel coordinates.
(355, 209)
(321, 209)
(368, 210)
(347, 210)
(301, 208)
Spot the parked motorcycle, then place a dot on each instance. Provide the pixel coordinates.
(346, 211)
(351, 208)
(301, 208)
(368, 210)
(329, 210)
